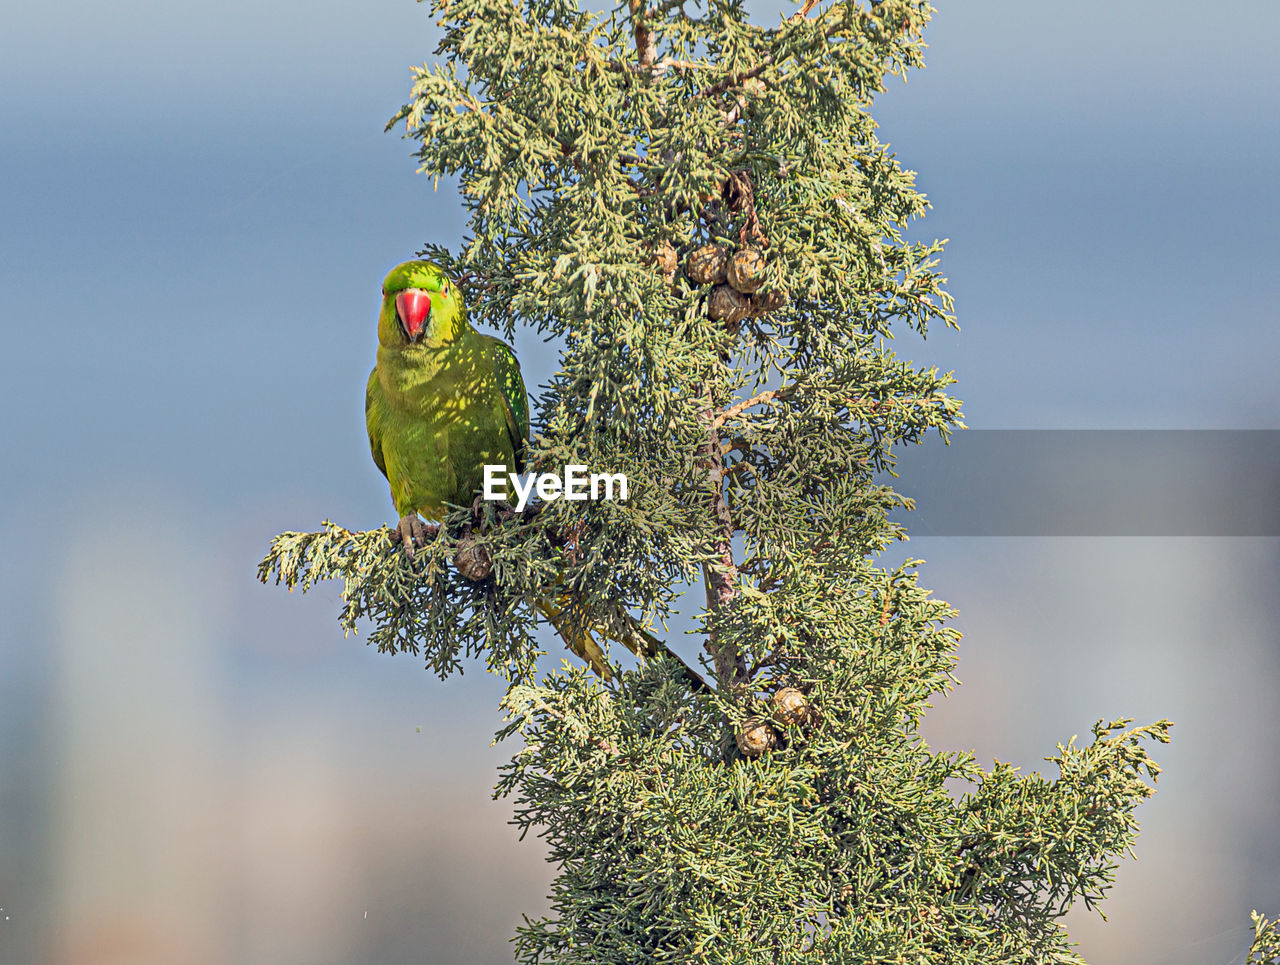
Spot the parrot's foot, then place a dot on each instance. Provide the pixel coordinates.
(501, 510)
(413, 532)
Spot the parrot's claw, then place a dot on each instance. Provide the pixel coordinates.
(412, 532)
(502, 510)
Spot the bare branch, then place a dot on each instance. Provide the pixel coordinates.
(661, 67)
(771, 397)
(646, 46)
(721, 576)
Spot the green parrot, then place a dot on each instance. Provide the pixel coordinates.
(443, 401)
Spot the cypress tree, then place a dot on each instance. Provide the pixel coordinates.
(698, 209)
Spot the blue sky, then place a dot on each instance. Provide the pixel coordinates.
(197, 205)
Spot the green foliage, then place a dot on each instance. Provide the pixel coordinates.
(1265, 949)
(845, 844)
(595, 154)
(421, 606)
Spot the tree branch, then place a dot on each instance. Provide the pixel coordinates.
(721, 575)
(646, 47)
(803, 11)
(764, 398)
(660, 67)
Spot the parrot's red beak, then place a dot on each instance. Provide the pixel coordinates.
(413, 305)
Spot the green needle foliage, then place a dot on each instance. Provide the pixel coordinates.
(610, 164)
(1265, 949)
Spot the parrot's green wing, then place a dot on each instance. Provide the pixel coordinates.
(373, 422)
(510, 381)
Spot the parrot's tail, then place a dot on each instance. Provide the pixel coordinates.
(634, 637)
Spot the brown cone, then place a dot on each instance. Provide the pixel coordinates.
(790, 706)
(472, 560)
(756, 737)
(707, 265)
(746, 270)
(727, 305)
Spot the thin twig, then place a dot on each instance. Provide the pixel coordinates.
(721, 575)
(660, 67)
(803, 11)
(764, 398)
(736, 80)
(774, 396)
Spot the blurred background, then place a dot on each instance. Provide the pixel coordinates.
(197, 206)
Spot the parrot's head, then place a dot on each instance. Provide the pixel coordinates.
(419, 304)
